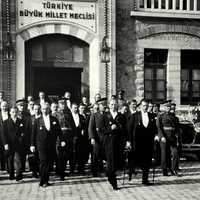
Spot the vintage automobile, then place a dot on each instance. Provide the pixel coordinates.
(190, 131)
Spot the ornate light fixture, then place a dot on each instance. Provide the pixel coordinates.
(105, 51)
(8, 50)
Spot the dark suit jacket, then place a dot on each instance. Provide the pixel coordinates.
(98, 126)
(1, 128)
(114, 140)
(142, 138)
(41, 137)
(135, 123)
(77, 131)
(14, 134)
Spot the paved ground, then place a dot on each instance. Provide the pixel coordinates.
(186, 186)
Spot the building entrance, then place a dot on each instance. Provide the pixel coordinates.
(55, 82)
(55, 64)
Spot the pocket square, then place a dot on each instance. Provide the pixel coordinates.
(54, 123)
(40, 127)
(21, 125)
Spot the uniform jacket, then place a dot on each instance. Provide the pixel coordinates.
(168, 120)
(98, 126)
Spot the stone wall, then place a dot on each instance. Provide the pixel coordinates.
(125, 46)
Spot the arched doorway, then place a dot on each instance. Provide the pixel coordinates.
(56, 63)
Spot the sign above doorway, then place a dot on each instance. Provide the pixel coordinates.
(37, 11)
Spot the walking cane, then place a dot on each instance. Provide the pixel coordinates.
(154, 159)
(126, 151)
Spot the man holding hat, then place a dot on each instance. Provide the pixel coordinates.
(167, 131)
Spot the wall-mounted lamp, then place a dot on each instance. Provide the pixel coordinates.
(8, 50)
(105, 51)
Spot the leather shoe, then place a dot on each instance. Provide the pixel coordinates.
(147, 183)
(44, 185)
(173, 172)
(11, 177)
(115, 187)
(129, 176)
(19, 178)
(49, 184)
(165, 173)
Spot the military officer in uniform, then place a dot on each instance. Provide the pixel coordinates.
(168, 132)
(96, 129)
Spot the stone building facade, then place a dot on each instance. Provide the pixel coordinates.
(158, 49)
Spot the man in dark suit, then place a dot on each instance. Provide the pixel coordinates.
(45, 132)
(96, 129)
(141, 133)
(78, 131)
(33, 158)
(114, 141)
(85, 145)
(25, 116)
(3, 116)
(14, 140)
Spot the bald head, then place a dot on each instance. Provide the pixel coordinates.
(4, 106)
(45, 108)
(113, 105)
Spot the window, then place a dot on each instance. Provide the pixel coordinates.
(190, 76)
(155, 74)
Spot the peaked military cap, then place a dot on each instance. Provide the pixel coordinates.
(20, 101)
(167, 103)
(61, 100)
(102, 100)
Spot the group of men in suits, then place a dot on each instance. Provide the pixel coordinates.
(64, 132)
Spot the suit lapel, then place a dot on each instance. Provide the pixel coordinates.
(41, 122)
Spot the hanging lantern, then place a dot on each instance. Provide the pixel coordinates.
(105, 51)
(8, 50)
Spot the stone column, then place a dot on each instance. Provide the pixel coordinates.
(174, 75)
(139, 70)
(113, 47)
(1, 50)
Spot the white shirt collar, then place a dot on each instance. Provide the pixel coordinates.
(76, 118)
(4, 115)
(46, 121)
(145, 118)
(114, 114)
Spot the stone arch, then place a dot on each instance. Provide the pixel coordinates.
(66, 29)
(167, 28)
(57, 28)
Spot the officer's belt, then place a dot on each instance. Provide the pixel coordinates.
(168, 128)
(65, 129)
